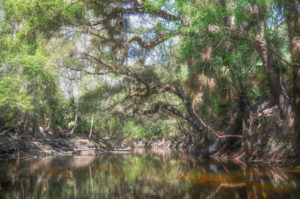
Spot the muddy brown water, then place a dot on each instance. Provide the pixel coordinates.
(144, 175)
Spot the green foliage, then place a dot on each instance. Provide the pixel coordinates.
(154, 6)
(39, 38)
(41, 16)
(28, 82)
(12, 95)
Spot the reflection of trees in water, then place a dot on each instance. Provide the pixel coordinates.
(240, 181)
(143, 176)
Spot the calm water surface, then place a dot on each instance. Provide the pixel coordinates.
(144, 175)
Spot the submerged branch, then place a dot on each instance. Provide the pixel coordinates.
(225, 185)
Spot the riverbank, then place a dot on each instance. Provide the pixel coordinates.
(27, 146)
(266, 139)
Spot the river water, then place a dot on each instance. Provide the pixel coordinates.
(144, 175)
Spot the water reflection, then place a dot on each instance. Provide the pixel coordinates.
(143, 175)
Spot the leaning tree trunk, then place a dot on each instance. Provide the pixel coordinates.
(292, 20)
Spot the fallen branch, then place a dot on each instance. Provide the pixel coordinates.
(2, 133)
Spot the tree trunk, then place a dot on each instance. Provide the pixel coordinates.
(272, 68)
(91, 129)
(34, 117)
(75, 120)
(49, 125)
(193, 117)
(292, 20)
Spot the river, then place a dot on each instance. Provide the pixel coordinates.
(144, 175)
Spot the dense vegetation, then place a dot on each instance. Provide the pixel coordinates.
(126, 70)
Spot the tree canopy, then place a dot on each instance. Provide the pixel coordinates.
(147, 69)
